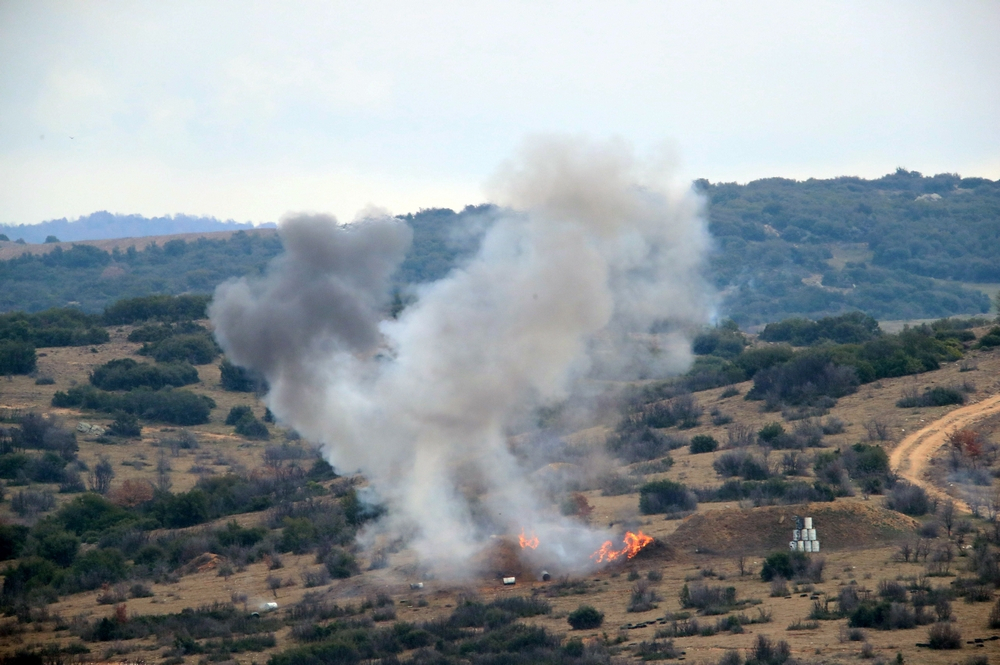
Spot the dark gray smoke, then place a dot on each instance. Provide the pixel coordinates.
(322, 297)
(595, 251)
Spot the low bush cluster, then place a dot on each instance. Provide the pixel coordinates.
(127, 374)
(742, 463)
(681, 411)
(246, 424)
(633, 443)
(936, 396)
(196, 349)
(59, 326)
(908, 499)
(710, 599)
(792, 566)
(773, 491)
(155, 332)
(17, 357)
(850, 328)
(703, 443)
(665, 496)
(168, 405)
(240, 379)
(157, 307)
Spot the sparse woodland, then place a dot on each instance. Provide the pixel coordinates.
(901, 247)
(151, 506)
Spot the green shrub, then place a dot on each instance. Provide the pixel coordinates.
(12, 539)
(234, 535)
(61, 326)
(160, 307)
(990, 339)
(91, 513)
(252, 428)
(864, 460)
(125, 425)
(297, 535)
(176, 511)
(30, 573)
(936, 396)
(585, 617)
(237, 413)
(752, 361)
(341, 563)
(778, 564)
(11, 464)
(127, 374)
(195, 349)
(850, 328)
(721, 342)
(101, 566)
(55, 544)
(770, 432)
(665, 496)
(169, 405)
(246, 423)
(804, 379)
(239, 379)
(703, 443)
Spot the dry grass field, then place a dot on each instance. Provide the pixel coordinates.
(861, 537)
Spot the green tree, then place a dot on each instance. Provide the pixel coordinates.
(17, 357)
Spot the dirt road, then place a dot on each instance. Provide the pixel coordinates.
(910, 458)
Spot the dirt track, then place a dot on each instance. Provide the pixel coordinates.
(910, 458)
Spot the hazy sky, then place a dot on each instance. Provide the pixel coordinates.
(249, 110)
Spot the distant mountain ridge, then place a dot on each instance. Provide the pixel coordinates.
(103, 225)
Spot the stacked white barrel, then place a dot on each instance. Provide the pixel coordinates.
(804, 536)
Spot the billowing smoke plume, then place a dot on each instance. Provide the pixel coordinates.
(566, 285)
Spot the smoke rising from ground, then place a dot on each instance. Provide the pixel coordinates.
(567, 285)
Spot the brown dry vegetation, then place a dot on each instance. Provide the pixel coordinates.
(860, 537)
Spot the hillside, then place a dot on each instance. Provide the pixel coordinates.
(146, 538)
(901, 247)
(92, 274)
(104, 225)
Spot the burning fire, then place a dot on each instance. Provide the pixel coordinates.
(633, 543)
(531, 543)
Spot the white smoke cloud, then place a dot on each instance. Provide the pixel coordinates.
(592, 252)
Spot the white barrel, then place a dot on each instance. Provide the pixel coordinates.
(509, 580)
(796, 534)
(809, 523)
(809, 546)
(802, 545)
(792, 546)
(812, 534)
(815, 546)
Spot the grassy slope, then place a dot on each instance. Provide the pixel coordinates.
(608, 589)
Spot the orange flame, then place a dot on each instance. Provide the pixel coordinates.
(633, 543)
(528, 542)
